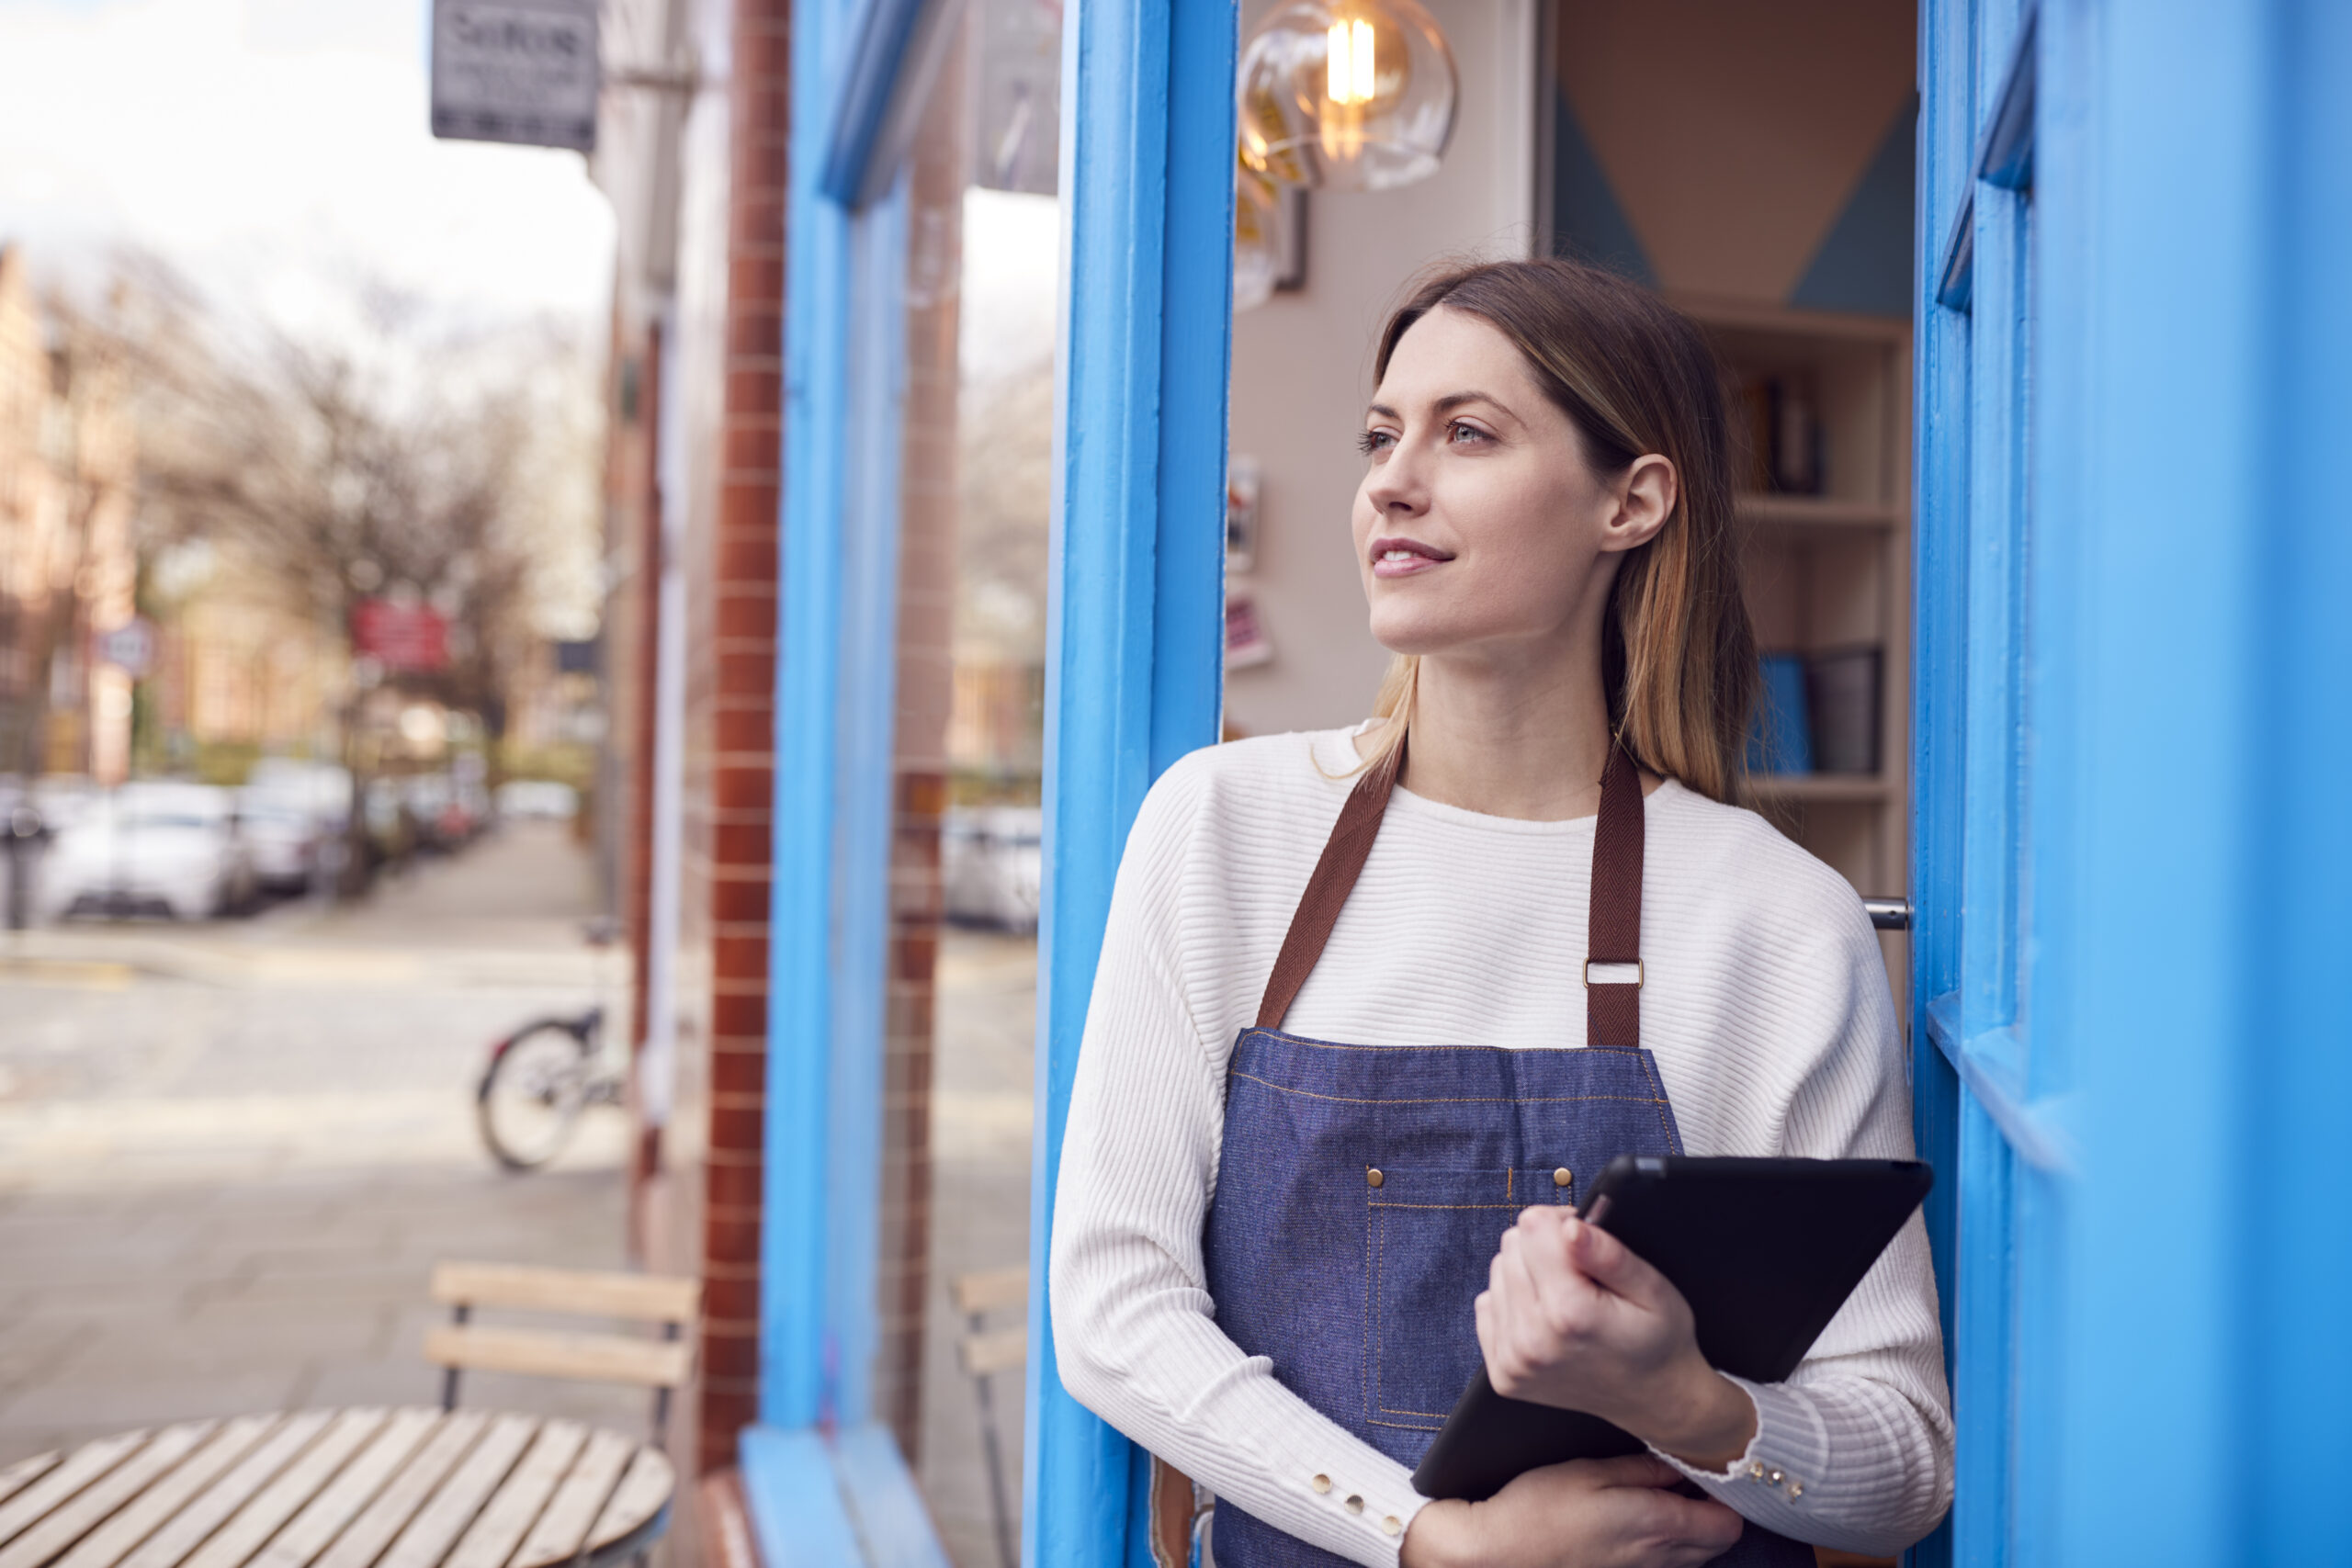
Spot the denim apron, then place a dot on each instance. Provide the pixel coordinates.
(1362, 1188)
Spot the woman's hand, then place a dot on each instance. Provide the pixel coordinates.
(1606, 1513)
(1571, 1317)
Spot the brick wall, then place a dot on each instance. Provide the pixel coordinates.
(740, 636)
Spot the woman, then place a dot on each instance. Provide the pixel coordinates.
(1344, 1033)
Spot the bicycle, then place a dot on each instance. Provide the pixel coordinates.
(539, 1080)
(542, 1076)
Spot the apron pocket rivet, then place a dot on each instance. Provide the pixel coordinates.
(1372, 1178)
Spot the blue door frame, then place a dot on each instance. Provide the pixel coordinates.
(1135, 652)
(2133, 712)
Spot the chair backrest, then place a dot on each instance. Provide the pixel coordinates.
(641, 1298)
(660, 1364)
(984, 1351)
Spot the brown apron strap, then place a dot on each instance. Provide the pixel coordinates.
(1612, 1012)
(1327, 889)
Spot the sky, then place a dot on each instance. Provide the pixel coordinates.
(277, 147)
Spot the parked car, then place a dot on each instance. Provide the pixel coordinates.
(992, 864)
(537, 800)
(152, 847)
(283, 840)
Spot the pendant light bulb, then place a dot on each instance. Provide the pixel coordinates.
(1347, 95)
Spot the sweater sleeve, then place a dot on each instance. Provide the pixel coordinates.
(1854, 1452)
(1135, 1330)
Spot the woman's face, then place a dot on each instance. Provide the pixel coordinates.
(1479, 525)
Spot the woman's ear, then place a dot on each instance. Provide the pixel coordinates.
(1646, 497)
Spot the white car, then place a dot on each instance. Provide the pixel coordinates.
(152, 847)
(282, 839)
(991, 864)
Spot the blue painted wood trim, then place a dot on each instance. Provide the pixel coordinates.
(1939, 588)
(798, 1517)
(2005, 157)
(875, 54)
(1134, 663)
(795, 1232)
(2299, 1371)
(866, 712)
(884, 1501)
(2153, 920)
(845, 1501)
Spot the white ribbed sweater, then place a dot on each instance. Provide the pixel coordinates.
(1766, 1006)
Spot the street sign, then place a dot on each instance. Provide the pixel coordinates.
(130, 647)
(406, 638)
(519, 71)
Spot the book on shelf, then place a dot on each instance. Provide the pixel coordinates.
(1780, 740)
(1843, 687)
(1818, 713)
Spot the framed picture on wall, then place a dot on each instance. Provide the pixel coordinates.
(1240, 513)
(1245, 633)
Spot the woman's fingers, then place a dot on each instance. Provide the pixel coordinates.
(1627, 1470)
(1606, 1261)
(1566, 1297)
(1699, 1525)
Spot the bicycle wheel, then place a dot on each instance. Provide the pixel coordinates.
(531, 1097)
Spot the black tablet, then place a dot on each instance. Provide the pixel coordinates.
(1765, 1251)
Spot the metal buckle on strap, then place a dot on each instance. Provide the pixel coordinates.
(1639, 972)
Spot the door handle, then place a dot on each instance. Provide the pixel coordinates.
(1889, 914)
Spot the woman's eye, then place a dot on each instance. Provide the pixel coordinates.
(1373, 441)
(1466, 435)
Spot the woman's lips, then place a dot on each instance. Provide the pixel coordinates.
(1405, 558)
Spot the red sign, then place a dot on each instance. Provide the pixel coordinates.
(400, 637)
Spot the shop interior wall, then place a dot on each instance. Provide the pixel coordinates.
(1302, 367)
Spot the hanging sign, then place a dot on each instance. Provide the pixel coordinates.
(515, 70)
(408, 638)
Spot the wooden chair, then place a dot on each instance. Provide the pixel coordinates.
(985, 1352)
(660, 1364)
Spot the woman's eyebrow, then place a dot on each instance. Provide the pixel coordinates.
(1445, 404)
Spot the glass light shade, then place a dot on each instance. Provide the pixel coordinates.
(1256, 238)
(1347, 95)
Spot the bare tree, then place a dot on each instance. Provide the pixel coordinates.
(379, 453)
(375, 455)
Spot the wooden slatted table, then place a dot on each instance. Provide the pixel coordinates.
(358, 1488)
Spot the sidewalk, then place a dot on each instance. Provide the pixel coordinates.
(230, 1152)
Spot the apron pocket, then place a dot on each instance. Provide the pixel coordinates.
(1430, 1238)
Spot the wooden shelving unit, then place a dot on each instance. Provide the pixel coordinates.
(1830, 569)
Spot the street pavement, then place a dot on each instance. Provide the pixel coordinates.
(232, 1152)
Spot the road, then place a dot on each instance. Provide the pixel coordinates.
(230, 1152)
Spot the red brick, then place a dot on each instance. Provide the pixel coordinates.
(729, 1297)
(753, 447)
(731, 1357)
(742, 843)
(732, 1180)
(747, 558)
(742, 729)
(739, 1018)
(736, 1127)
(738, 1072)
(733, 902)
(727, 1239)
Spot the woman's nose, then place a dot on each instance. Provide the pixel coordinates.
(1398, 484)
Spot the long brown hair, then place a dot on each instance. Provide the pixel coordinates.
(1634, 376)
